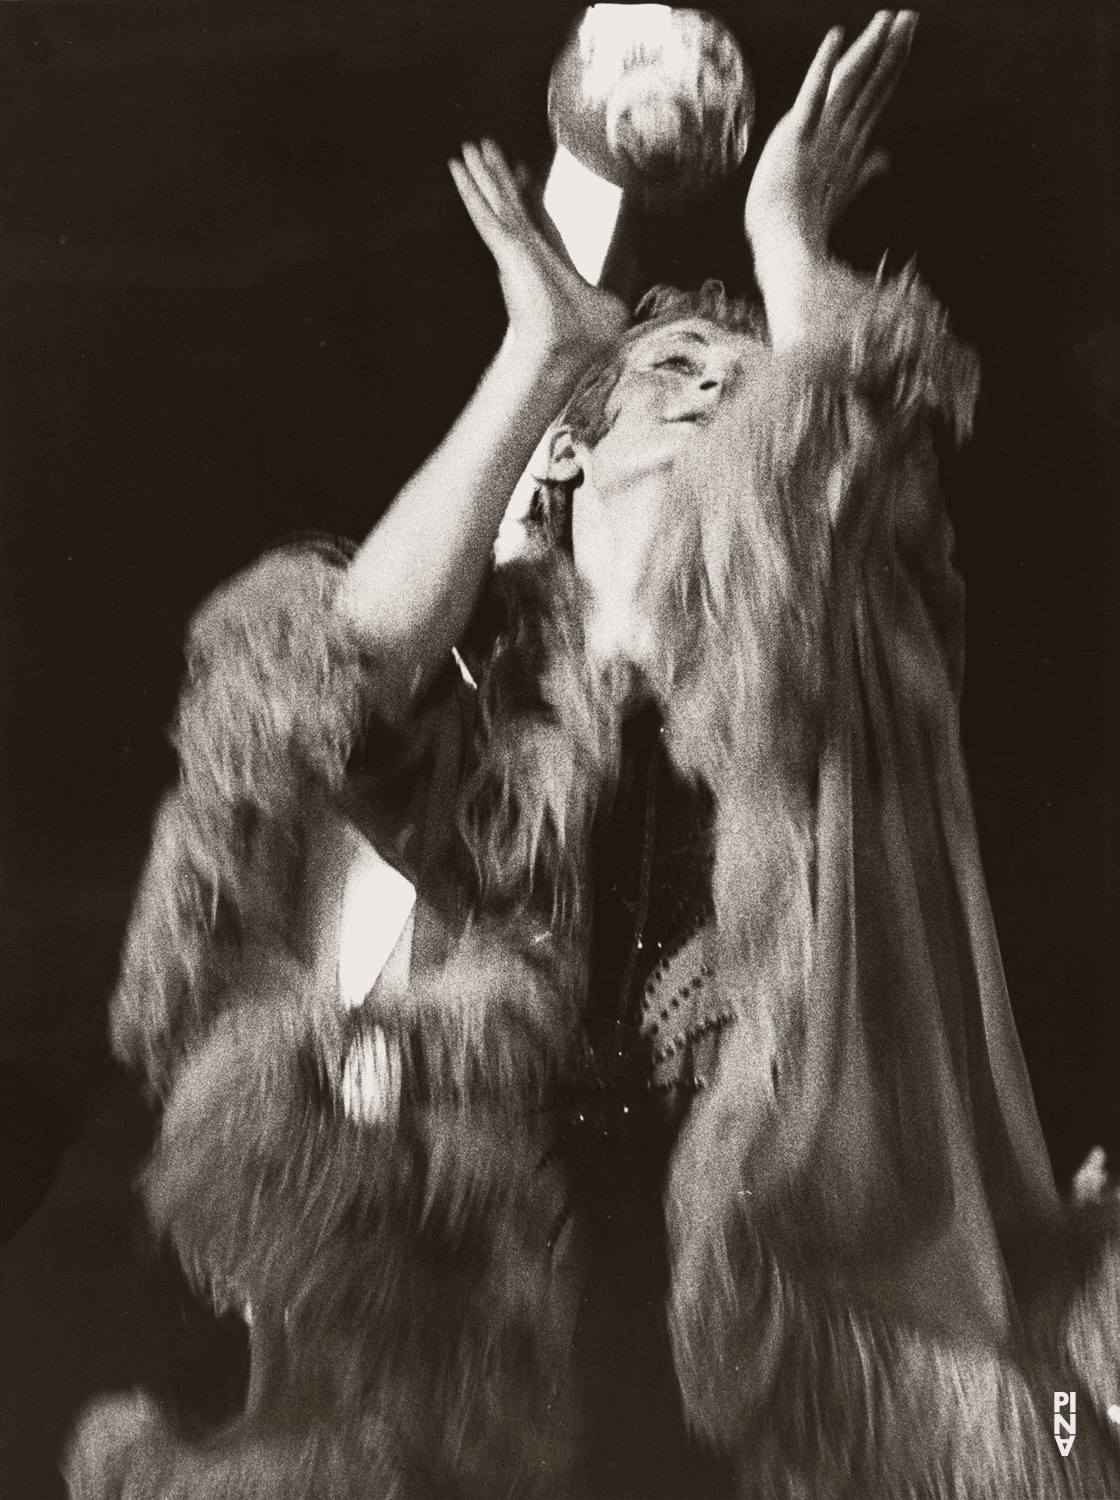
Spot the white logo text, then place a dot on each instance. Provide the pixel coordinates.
(1065, 1427)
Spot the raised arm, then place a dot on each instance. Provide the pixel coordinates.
(865, 364)
(413, 583)
(811, 168)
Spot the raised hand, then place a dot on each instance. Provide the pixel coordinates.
(817, 158)
(411, 586)
(552, 310)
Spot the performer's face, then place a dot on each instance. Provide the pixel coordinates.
(673, 380)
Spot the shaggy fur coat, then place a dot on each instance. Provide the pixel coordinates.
(875, 1291)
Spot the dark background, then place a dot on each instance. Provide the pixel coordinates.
(240, 299)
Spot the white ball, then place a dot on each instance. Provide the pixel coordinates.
(654, 99)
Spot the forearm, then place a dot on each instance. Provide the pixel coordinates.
(813, 165)
(809, 296)
(413, 583)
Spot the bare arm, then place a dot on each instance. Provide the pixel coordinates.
(811, 168)
(413, 583)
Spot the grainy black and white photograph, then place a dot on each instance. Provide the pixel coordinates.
(559, 750)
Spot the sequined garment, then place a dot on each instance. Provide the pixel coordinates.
(652, 896)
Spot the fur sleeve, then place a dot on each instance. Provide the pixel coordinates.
(849, 420)
(422, 1268)
(277, 694)
(903, 357)
(864, 390)
(911, 372)
(277, 689)
(893, 349)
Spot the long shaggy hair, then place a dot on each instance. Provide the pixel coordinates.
(547, 747)
(747, 594)
(269, 1194)
(740, 594)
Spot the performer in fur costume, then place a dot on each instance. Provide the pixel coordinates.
(704, 1042)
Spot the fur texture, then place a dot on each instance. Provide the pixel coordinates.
(747, 600)
(377, 1241)
(839, 1402)
(128, 1449)
(742, 595)
(494, 1026)
(277, 695)
(416, 1267)
(864, 1408)
(1067, 1279)
(547, 748)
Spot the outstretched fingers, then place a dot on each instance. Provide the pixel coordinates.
(856, 67)
(811, 96)
(504, 184)
(483, 217)
(516, 187)
(486, 179)
(490, 194)
(868, 106)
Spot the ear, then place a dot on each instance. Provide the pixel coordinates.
(563, 462)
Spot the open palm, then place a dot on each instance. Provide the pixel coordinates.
(549, 304)
(816, 159)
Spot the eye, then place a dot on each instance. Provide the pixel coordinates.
(679, 362)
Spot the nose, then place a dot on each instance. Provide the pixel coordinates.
(693, 400)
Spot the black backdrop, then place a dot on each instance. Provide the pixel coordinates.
(240, 299)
